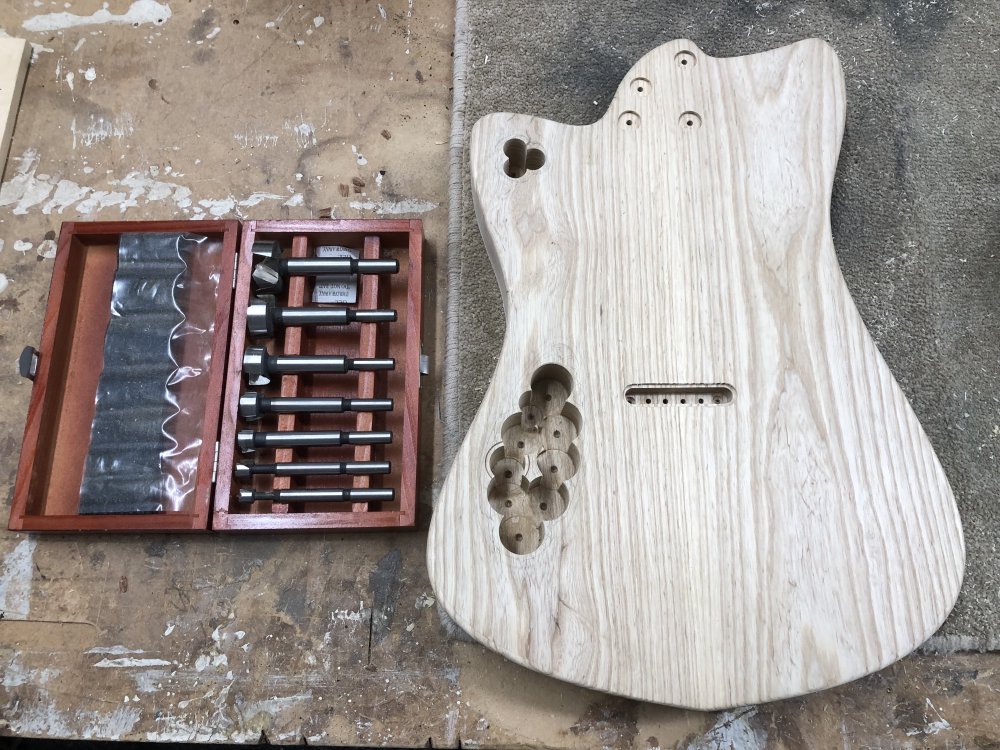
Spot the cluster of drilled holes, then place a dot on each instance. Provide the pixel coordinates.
(537, 457)
(521, 158)
(682, 395)
(682, 401)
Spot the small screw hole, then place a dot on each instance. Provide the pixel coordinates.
(683, 400)
(718, 400)
(518, 537)
(520, 443)
(543, 506)
(701, 400)
(548, 396)
(556, 433)
(639, 89)
(665, 401)
(684, 61)
(690, 123)
(507, 504)
(553, 469)
(630, 399)
(649, 400)
(629, 123)
(508, 474)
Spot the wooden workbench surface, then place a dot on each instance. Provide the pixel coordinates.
(149, 110)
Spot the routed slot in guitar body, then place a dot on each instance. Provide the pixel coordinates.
(693, 479)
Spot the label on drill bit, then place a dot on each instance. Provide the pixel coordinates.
(339, 288)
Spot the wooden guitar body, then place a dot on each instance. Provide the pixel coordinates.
(693, 479)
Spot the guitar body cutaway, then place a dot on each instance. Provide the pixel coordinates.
(693, 479)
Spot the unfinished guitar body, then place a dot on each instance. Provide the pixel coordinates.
(693, 479)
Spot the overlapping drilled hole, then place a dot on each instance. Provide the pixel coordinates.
(537, 457)
(521, 158)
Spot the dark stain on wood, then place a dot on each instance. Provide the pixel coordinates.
(385, 583)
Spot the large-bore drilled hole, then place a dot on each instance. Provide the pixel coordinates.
(521, 534)
(521, 158)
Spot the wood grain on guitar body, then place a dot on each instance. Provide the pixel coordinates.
(693, 479)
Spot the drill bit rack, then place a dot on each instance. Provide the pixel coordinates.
(364, 350)
(305, 414)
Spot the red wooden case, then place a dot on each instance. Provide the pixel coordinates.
(70, 361)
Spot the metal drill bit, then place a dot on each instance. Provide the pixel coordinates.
(259, 366)
(269, 275)
(263, 317)
(253, 406)
(309, 468)
(248, 440)
(318, 495)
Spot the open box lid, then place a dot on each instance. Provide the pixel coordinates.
(70, 361)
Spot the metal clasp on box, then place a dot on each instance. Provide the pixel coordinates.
(27, 363)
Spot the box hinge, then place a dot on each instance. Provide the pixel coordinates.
(215, 462)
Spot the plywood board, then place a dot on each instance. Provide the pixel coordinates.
(693, 479)
(14, 56)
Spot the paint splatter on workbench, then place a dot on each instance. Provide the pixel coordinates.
(28, 190)
(140, 12)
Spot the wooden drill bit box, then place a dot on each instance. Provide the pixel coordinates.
(85, 391)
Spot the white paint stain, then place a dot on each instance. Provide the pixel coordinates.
(98, 129)
(46, 249)
(140, 12)
(451, 728)
(361, 614)
(28, 190)
(304, 132)
(424, 601)
(358, 156)
(16, 674)
(1, 245)
(37, 49)
(90, 73)
(128, 662)
(113, 650)
(69, 82)
(255, 139)
(204, 661)
(79, 44)
(934, 726)
(409, 17)
(169, 630)
(731, 730)
(15, 578)
(381, 11)
(22, 246)
(318, 21)
(296, 200)
(213, 33)
(394, 207)
(4, 283)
